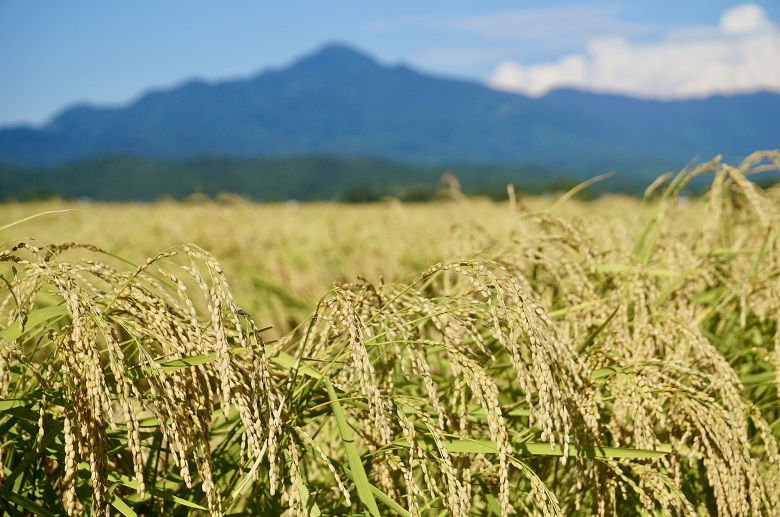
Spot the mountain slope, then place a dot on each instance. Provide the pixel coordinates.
(338, 101)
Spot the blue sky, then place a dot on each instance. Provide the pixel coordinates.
(54, 53)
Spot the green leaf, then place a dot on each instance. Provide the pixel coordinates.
(168, 496)
(288, 361)
(149, 422)
(355, 462)
(25, 413)
(20, 221)
(479, 446)
(266, 283)
(493, 504)
(585, 184)
(186, 362)
(592, 337)
(573, 308)
(381, 496)
(470, 446)
(518, 412)
(670, 287)
(602, 373)
(386, 499)
(758, 378)
(6, 404)
(768, 244)
(622, 268)
(310, 505)
(586, 451)
(35, 318)
(153, 490)
(122, 506)
(27, 504)
(53, 430)
(594, 451)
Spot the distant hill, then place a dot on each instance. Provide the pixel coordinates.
(122, 178)
(338, 101)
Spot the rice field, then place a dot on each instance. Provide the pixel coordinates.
(545, 356)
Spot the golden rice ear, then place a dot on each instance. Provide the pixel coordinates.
(133, 344)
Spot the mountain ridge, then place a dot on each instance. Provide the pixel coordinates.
(340, 101)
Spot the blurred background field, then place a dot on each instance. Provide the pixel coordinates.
(281, 258)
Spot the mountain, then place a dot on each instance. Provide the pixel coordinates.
(338, 101)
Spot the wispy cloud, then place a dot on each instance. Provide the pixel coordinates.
(516, 33)
(552, 25)
(741, 53)
(456, 56)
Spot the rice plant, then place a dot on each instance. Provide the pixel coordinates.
(561, 363)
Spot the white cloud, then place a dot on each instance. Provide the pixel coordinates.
(741, 54)
(743, 19)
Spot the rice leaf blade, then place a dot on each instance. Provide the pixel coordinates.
(35, 318)
(122, 506)
(353, 456)
(26, 503)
